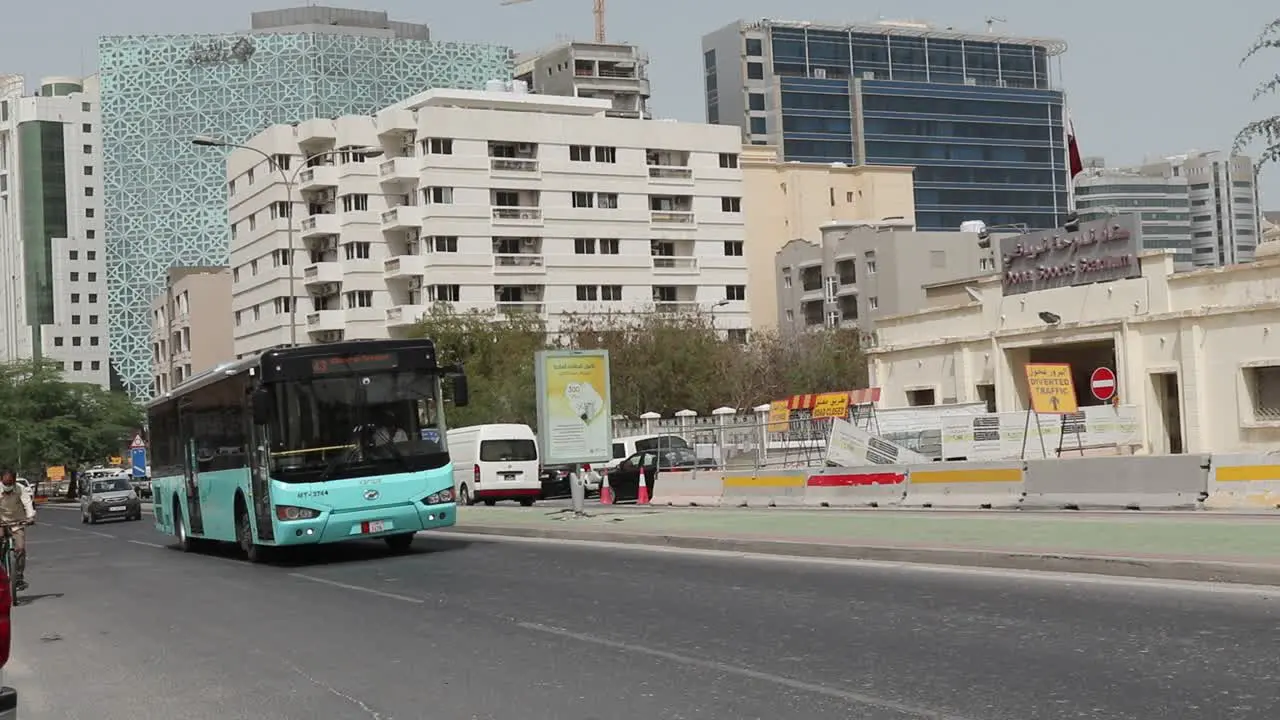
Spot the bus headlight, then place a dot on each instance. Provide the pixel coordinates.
(289, 512)
(444, 496)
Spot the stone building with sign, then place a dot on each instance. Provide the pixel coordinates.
(1196, 354)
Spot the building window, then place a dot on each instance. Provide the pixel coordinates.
(93, 341)
(284, 305)
(57, 342)
(88, 170)
(580, 153)
(73, 255)
(359, 299)
(75, 341)
(93, 319)
(607, 201)
(437, 195)
(611, 293)
(75, 277)
(609, 246)
(75, 297)
(90, 234)
(445, 293)
(584, 246)
(358, 251)
(755, 102)
(75, 319)
(86, 127)
(588, 293)
(437, 146)
(731, 204)
(605, 154)
(444, 244)
(755, 71)
(281, 161)
(280, 257)
(283, 208)
(237, 316)
(91, 255)
(88, 212)
(733, 248)
(873, 303)
(88, 192)
(728, 160)
(95, 365)
(77, 365)
(759, 126)
(583, 199)
(87, 149)
(735, 292)
(1265, 384)
(755, 47)
(355, 202)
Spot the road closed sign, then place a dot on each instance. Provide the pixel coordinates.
(1051, 388)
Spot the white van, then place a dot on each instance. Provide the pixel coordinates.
(495, 462)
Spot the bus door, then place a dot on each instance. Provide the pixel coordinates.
(260, 479)
(190, 467)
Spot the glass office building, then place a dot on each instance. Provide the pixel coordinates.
(976, 115)
(165, 199)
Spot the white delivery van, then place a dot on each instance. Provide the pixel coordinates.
(495, 462)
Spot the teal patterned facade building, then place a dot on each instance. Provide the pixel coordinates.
(165, 198)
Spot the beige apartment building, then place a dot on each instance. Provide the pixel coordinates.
(190, 325)
(786, 201)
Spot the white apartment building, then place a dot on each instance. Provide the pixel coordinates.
(53, 289)
(491, 200)
(616, 72)
(1201, 205)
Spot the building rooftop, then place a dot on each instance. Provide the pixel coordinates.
(511, 101)
(913, 29)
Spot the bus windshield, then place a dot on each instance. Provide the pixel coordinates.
(329, 428)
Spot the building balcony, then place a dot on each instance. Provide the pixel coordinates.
(403, 316)
(673, 174)
(514, 167)
(319, 177)
(319, 226)
(403, 217)
(320, 273)
(404, 267)
(521, 263)
(507, 215)
(668, 265)
(326, 321)
(528, 308)
(672, 218)
(399, 169)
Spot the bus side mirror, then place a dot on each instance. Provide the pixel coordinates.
(261, 406)
(461, 393)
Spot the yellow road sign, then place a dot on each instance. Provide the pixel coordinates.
(1051, 388)
(831, 405)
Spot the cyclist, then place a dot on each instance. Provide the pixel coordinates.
(17, 511)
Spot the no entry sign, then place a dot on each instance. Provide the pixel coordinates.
(1103, 383)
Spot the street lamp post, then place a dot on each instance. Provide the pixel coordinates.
(289, 181)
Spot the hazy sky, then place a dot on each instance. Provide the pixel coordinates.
(1144, 77)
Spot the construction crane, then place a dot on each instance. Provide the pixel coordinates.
(597, 10)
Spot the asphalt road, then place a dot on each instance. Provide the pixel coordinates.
(121, 627)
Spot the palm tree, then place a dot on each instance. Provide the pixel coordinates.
(1266, 130)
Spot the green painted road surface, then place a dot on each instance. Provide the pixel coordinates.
(1166, 536)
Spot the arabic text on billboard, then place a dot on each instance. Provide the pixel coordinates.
(1100, 251)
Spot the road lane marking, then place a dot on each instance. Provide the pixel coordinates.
(147, 544)
(81, 530)
(1056, 577)
(357, 588)
(727, 669)
(59, 540)
(336, 692)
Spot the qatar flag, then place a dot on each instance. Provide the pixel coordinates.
(1073, 150)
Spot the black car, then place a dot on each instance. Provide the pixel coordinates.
(624, 479)
(555, 480)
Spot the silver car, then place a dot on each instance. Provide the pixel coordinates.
(109, 499)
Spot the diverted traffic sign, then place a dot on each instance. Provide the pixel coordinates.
(1103, 383)
(1051, 389)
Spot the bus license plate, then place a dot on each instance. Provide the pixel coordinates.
(117, 508)
(375, 526)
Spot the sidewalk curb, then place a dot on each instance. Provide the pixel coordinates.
(1155, 569)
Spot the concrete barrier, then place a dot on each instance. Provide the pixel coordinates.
(874, 486)
(1243, 482)
(764, 489)
(688, 489)
(991, 485)
(1146, 482)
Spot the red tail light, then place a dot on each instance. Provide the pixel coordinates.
(586, 468)
(475, 474)
(6, 606)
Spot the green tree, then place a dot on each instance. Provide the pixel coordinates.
(52, 422)
(497, 352)
(1267, 130)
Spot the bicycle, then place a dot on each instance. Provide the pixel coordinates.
(8, 559)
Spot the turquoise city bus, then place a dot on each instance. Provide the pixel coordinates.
(307, 445)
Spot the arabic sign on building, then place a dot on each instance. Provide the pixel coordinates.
(1100, 251)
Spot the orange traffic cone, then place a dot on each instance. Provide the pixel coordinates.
(643, 497)
(606, 492)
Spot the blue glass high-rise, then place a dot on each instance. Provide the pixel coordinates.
(976, 115)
